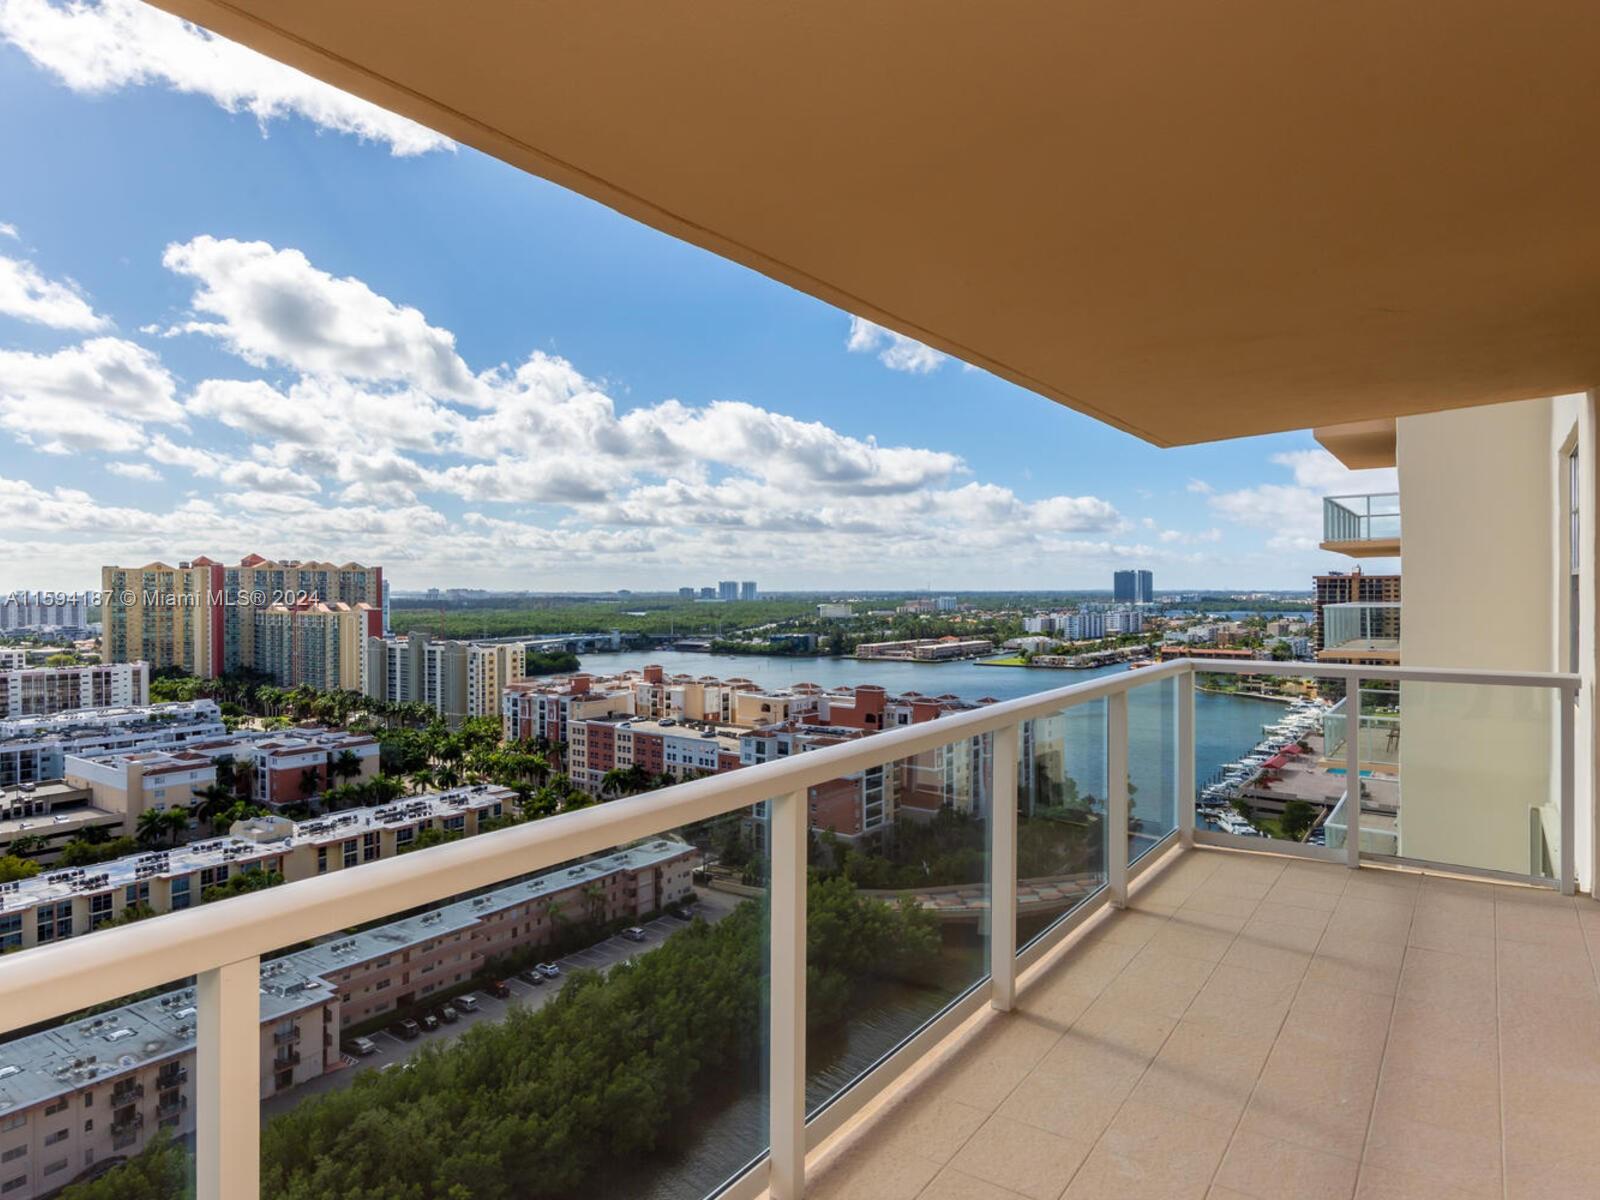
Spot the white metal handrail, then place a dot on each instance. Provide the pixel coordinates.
(222, 944)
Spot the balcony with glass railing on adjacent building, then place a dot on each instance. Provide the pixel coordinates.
(1364, 526)
(1063, 975)
(1366, 632)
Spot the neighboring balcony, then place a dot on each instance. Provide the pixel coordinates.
(1367, 633)
(1362, 526)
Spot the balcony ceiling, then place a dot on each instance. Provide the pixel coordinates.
(1193, 221)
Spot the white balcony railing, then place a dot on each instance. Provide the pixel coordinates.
(222, 944)
(1367, 518)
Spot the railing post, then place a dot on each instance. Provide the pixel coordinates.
(1117, 799)
(1569, 816)
(1003, 870)
(1352, 774)
(228, 1082)
(788, 838)
(1186, 785)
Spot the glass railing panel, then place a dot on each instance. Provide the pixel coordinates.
(600, 1027)
(898, 906)
(1152, 765)
(1262, 766)
(1061, 816)
(1474, 782)
(99, 1104)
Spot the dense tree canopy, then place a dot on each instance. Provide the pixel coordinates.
(542, 1102)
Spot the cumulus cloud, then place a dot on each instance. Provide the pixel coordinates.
(894, 350)
(94, 396)
(28, 295)
(272, 307)
(114, 44)
(135, 470)
(9, 230)
(355, 426)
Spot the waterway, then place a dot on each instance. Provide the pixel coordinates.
(718, 1140)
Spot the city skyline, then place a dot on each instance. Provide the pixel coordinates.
(318, 325)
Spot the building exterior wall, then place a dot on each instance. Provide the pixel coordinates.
(1477, 773)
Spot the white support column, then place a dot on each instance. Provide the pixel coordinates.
(788, 838)
(1003, 870)
(1117, 799)
(228, 1082)
(1186, 789)
(1352, 774)
(1569, 815)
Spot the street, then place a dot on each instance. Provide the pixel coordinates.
(711, 906)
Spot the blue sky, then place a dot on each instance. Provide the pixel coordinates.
(239, 312)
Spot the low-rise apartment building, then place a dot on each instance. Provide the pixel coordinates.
(100, 1088)
(926, 649)
(35, 749)
(39, 691)
(59, 904)
(282, 767)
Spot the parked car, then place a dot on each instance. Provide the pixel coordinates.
(500, 990)
(449, 1015)
(407, 1029)
(430, 1022)
(531, 975)
(634, 934)
(361, 1047)
(467, 1003)
(548, 970)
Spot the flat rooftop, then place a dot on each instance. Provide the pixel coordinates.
(261, 839)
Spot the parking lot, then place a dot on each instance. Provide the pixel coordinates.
(393, 1050)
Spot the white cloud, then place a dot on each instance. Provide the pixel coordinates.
(363, 433)
(28, 295)
(95, 396)
(135, 470)
(894, 350)
(236, 473)
(114, 44)
(9, 230)
(273, 307)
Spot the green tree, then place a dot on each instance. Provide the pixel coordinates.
(14, 867)
(156, 826)
(1298, 818)
(29, 845)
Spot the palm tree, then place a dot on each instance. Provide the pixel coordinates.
(157, 825)
(422, 779)
(28, 845)
(347, 765)
(214, 800)
(310, 781)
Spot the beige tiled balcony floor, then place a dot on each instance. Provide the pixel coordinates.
(1257, 1027)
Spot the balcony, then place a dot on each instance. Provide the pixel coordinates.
(1146, 1006)
(1362, 526)
(1365, 633)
